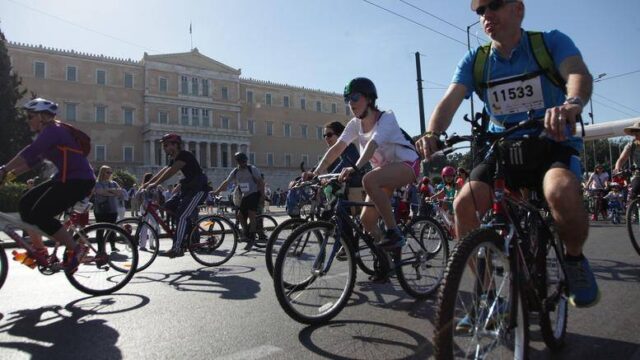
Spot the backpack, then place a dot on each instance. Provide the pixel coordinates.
(409, 139)
(540, 53)
(82, 139)
(238, 190)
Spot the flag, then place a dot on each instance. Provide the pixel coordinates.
(189, 28)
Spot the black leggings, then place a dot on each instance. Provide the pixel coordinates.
(108, 218)
(41, 205)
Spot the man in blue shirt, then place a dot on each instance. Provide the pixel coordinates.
(514, 83)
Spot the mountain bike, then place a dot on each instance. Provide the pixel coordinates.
(313, 286)
(511, 266)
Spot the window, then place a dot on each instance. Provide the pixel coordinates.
(225, 93)
(285, 101)
(303, 104)
(205, 117)
(194, 86)
(251, 126)
(128, 80)
(287, 130)
(252, 158)
(127, 115)
(334, 108)
(303, 131)
(184, 85)
(101, 77)
(184, 116)
(127, 154)
(39, 70)
(101, 152)
(267, 99)
(318, 106)
(205, 87)
(163, 117)
(287, 160)
(249, 97)
(319, 132)
(305, 159)
(224, 122)
(72, 73)
(269, 128)
(71, 111)
(195, 117)
(101, 113)
(269, 159)
(163, 85)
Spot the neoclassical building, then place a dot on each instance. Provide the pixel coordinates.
(126, 106)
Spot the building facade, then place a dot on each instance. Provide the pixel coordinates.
(126, 106)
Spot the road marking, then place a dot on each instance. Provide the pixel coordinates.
(255, 353)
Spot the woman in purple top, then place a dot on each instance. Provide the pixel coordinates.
(72, 183)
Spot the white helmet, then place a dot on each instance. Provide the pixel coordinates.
(614, 184)
(40, 104)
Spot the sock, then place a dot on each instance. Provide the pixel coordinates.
(574, 258)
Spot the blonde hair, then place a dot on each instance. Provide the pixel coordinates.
(102, 173)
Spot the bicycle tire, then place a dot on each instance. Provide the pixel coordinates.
(266, 225)
(212, 241)
(93, 275)
(456, 290)
(420, 267)
(277, 238)
(135, 226)
(4, 266)
(313, 299)
(633, 223)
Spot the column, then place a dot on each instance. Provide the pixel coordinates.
(152, 151)
(218, 155)
(198, 151)
(229, 156)
(208, 164)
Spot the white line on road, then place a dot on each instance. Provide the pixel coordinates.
(255, 353)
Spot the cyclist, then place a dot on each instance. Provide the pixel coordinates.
(629, 154)
(446, 190)
(511, 84)
(597, 186)
(614, 199)
(73, 182)
(393, 158)
(193, 187)
(249, 179)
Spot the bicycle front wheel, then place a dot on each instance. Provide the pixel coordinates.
(423, 259)
(312, 286)
(101, 273)
(213, 241)
(4, 266)
(633, 224)
(277, 238)
(145, 236)
(266, 224)
(477, 301)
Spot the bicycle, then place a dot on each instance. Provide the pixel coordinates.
(211, 242)
(99, 273)
(632, 213)
(264, 224)
(312, 288)
(497, 274)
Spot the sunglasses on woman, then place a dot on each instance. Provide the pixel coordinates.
(495, 5)
(352, 97)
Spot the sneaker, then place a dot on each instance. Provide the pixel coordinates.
(342, 254)
(583, 289)
(143, 248)
(465, 325)
(490, 313)
(393, 239)
(74, 258)
(174, 253)
(41, 256)
(114, 249)
(101, 258)
(251, 239)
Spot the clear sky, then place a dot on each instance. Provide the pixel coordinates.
(322, 44)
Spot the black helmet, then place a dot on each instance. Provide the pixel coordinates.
(241, 157)
(363, 86)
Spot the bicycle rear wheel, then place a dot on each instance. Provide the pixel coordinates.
(101, 273)
(310, 286)
(266, 224)
(423, 259)
(633, 224)
(4, 266)
(277, 238)
(145, 234)
(476, 301)
(212, 241)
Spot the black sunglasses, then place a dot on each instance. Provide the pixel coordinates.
(495, 5)
(327, 135)
(352, 97)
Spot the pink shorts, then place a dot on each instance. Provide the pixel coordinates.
(414, 165)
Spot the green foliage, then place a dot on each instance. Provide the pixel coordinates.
(14, 132)
(124, 178)
(10, 194)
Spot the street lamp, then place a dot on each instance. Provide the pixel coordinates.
(469, 49)
(597, 79)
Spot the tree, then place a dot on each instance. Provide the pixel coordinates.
(14, 131)
(124, 178)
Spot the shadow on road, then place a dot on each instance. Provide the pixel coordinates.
(69, 332)
(606, 269)
(580, 347)
(223, 281)
(351, 339)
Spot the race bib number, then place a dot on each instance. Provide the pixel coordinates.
(516, 97)
(244, 187)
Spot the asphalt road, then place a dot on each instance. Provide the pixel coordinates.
(178, 309)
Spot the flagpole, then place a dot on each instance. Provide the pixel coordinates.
(191, 35)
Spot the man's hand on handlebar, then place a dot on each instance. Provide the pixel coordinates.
(346, 173)
(428, 144)
(557, 118)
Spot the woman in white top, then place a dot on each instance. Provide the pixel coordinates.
(394, 159)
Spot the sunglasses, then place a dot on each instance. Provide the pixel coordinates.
(495, 5)
(352, 97)
(108, 172)
(327, 135)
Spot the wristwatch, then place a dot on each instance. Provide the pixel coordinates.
(575, 100)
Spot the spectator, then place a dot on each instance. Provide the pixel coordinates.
(105, 209)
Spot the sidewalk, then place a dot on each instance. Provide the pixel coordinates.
(278, 213)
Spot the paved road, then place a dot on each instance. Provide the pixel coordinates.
(178, 309)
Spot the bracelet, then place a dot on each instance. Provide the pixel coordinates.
(355, 168)
(432, 134)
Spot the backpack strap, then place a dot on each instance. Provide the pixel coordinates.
(479, 64)
(545, 60)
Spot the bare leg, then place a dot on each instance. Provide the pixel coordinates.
(379, 184)
(465, 209)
